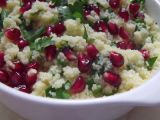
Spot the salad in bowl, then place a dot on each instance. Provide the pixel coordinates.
(77, 49)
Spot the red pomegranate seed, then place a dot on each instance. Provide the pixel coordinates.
(22, 43)
(13, 34)
(112, 78)
(2, 62)
(26, 1)
(48, 31)
(4, 78)
(114, 4)
(33, 65)
(69, 54)
(139, 16)
(3, 3)
(113, 28)
(131, 45)
(16, 79)
(84, 63)
(50, 52)
(100, 26)
(134, 8)
(89, 8)
(126, 45)
(31, 77)
(116, 59)
(92, 51)
(78, 86)
(123, 33)
(18, 66)
(122, 45)
(123, 13)
(25, 7)
(23, 88)
(59, 29)
(145, 53)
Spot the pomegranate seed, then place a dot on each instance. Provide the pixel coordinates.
(145, 53)
(2, 62)
(112, 78)
(16, 79)
(112, 28)
(3, 3)
(84, 63)
(92, 51)
(123, 13)
(23, 88)
(26, 1)
(31, 77)
(3, 76)
(48, 31)
(50, 52)
(25, 7)
(131, 45)
(22, 43)
(123, 33)
(52, 6)
(33, 65)
(13, 34)
(114, 4)
(100, 26)
(59, 29)
(18, 66)
(78, 86)
(126, 45)
(139, 16)
(134, 8)
(69, 54)
(116, 59)
(122, 45)
(89, 8)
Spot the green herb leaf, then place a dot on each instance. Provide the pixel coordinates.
(48, 92)
(3, 15)
(1, 34)
(41, 43)
(85, 36)
(62, 63)
(60, 93)
(32, 35)
(65, 12)
(98, 92)
(59, 2)
(150, 63)
(90, 83)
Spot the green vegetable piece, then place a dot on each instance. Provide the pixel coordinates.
(1, 34)
(62, 63)
(98, 92)
(59, 2)
(150, 63)
(3, 15)
(62, 94)
(48, 92)
(90, 83)
(37, 34)
(42, 43)
(85, 36)
(65, 12)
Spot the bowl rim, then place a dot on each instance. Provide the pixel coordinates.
(126, 97)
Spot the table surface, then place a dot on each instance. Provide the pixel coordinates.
(141, 113)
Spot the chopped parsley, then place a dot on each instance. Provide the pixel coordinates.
(150, 63)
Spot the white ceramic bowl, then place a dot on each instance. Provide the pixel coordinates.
(106, 108)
